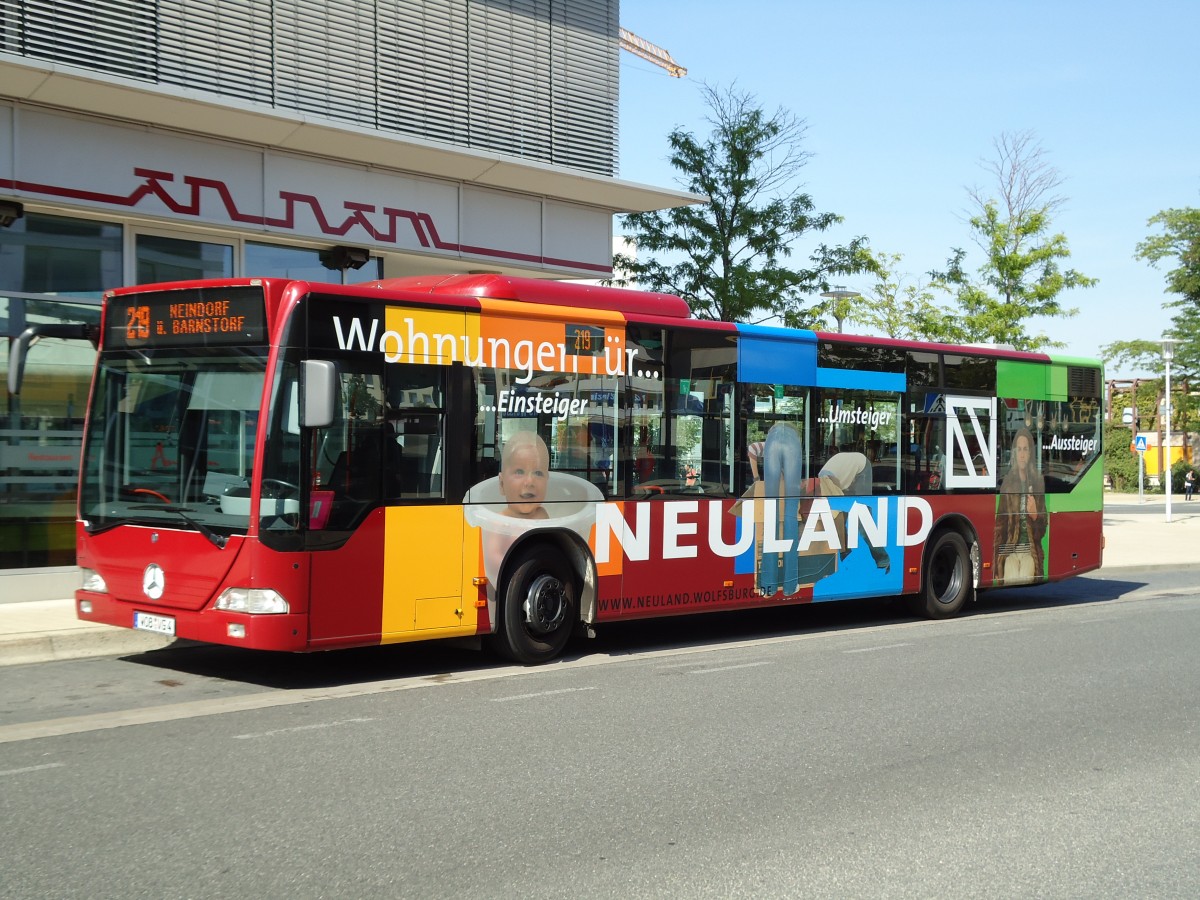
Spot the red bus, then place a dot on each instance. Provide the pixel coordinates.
(292, 466)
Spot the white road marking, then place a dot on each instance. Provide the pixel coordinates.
(996, 631)
(540, 694)
(880, 647)
(32, 769)
(727, 668)
(313, 727)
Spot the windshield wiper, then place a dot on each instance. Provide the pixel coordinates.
(100, 529)
(217, 540)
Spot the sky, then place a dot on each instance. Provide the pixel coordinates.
(904, 102)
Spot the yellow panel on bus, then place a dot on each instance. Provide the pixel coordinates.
(424, 584)
(429, 336)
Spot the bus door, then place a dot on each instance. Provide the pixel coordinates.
(388, 549)
(423, 586)
(775, 372)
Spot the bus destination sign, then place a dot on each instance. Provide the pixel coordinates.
(195, 318)
(584, 340)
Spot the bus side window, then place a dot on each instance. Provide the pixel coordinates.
(416, 413)
(925, 465)
(697, 450)
(357, 473)
(353, 447)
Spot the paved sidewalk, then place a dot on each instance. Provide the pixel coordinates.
(1136, 531)
(42, 630)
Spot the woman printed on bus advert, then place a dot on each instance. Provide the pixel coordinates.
(1020, 517)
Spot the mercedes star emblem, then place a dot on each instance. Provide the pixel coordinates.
(153, 581)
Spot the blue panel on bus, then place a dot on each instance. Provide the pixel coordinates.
(860, 380)
(776, 355)
(868, 566)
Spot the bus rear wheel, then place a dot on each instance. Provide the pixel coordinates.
(539, 608)
(948, 582)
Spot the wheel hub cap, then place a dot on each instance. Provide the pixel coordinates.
(545, 605)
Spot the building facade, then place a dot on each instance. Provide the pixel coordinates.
(334, 140)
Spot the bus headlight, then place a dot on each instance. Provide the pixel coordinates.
(93, 581)
(252, 600)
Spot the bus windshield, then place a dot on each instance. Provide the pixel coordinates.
(171, 439)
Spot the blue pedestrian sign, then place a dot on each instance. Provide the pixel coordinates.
(1140, 444)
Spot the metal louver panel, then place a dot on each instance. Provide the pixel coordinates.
(325, 52)
(1083, 382)
(534, 79)
(509, 64)
(10, 26)
(115, 36)
(422, 69)
(215, 46)
(586, 83)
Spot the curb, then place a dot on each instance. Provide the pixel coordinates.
(81, 644)
(1133, 568)
(92, 640)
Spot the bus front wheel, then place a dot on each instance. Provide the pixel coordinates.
(538, 608)
(948, 582)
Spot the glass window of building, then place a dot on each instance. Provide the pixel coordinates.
(40, 437)
(45, 259)
(60, 255)
(278, 261)
(177, 259)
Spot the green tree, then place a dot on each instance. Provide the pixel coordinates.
(1179, 242)
(1022, 275)
(1146, 356)
(1134, 355)
(897, 308)
(1120, 464)
(1176, 244)
(728, 257)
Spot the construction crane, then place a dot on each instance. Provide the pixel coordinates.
(651, 53)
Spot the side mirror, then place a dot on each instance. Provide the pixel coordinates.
(21, 344)
(318, 393)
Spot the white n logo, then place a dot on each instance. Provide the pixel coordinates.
(970, 466)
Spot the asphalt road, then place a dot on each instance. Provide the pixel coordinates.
(1045, 745)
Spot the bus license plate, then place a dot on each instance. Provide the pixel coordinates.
(150, 622)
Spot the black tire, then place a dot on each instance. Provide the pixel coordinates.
(948, 582)
(539, 606)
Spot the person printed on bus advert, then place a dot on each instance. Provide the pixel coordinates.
(850, 473)
(524, 474)
(1020, 516)
(754, 452)
(781, 455)
(645, 461)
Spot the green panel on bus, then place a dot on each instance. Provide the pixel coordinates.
(1058, 383)
(1084, 362)
(1024, 380)
(1085, 496)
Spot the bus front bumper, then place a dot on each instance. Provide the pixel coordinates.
(285, 631)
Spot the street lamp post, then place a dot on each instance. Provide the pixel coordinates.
(839, 305)
(1168, 352)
